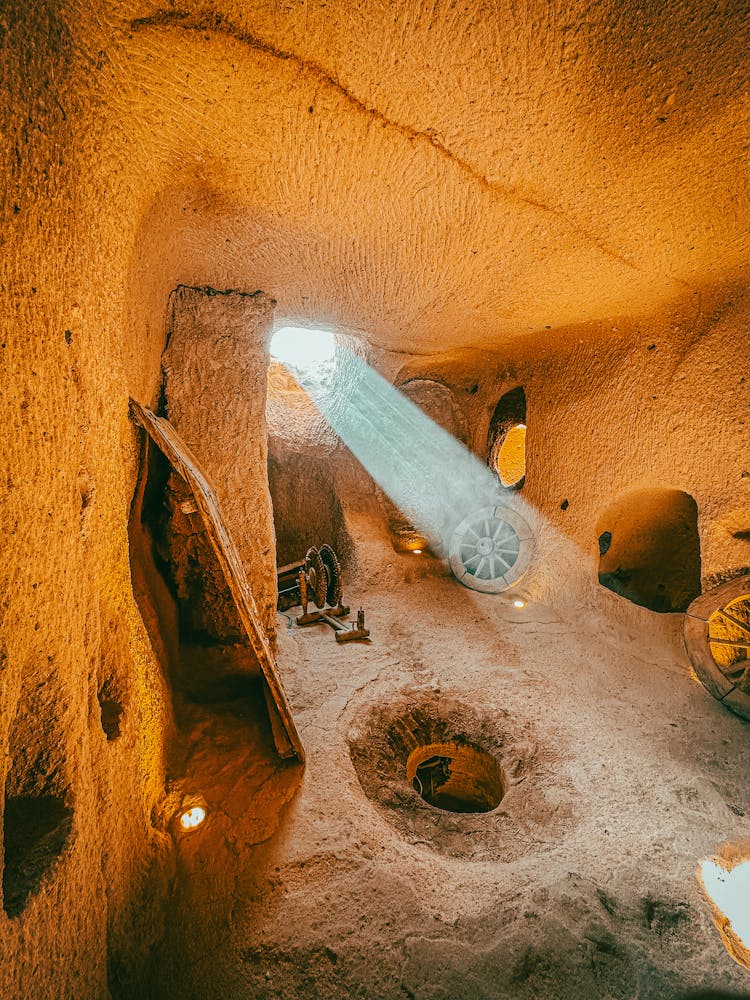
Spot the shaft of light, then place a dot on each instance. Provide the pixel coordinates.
(429, 475)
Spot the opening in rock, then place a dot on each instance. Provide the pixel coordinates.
(35, 829)
(650, 549)
(506, 441)
(726, 882)
(493, 758)
(510, 461)
(111, 712)
(301, 350)
(112, 689)
(456, 778)
(155, 598)
(37, 819)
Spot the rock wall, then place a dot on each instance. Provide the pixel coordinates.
(310, 150)
(657, 404)
(214, 391)
(304, 468)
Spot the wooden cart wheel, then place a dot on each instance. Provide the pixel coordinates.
(317, 577)
(717, 640)
(333, 568)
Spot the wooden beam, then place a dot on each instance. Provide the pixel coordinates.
(166, 438)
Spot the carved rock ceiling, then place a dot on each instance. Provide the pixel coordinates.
(440, 174)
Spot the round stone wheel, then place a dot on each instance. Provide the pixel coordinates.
(491, 549)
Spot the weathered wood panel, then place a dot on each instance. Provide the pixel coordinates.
(162, 433)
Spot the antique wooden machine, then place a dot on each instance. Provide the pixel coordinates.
(319, 579)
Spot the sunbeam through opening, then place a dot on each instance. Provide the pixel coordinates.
(429, 475)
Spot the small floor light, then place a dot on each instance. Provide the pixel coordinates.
(518, 603)
(417, 552)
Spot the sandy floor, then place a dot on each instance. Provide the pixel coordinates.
(300, 885)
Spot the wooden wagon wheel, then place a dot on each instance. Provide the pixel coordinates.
(717, 640)
(333, 570)
(317, 577)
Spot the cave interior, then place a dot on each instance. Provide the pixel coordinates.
(445, 307)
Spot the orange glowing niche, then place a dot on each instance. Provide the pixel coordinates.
(510, 457)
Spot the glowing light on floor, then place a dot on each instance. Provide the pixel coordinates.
(730, 892)
(518, 603)
(302, 349)
(192, 818)
(417, 552)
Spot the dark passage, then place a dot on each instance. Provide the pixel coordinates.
(649, 549)
(35, 830)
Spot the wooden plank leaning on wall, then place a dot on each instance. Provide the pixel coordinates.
(166, 438)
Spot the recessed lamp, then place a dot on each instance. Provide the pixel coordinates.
(192, 818)
(518, 603)
(417, 552)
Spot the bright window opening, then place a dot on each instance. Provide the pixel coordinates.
(510, 461)
(192, 818)
(506, 441)
(729, 890)
(302, 349)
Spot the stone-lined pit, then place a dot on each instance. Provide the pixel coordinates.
(466, 783)
(456, 778)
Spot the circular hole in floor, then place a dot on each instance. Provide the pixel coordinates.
(456, 778)
(511, 796)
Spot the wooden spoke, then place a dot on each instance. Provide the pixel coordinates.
(730, 642)
(735, 621)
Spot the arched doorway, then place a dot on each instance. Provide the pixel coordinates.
(649, 549)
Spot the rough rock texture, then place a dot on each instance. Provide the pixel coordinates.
(302, 473)
(536, 804)
(663, 404)
(207, 612)
(559, 191)
(633, 771)
(215, 378)
(506, 438)
(650, 549)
